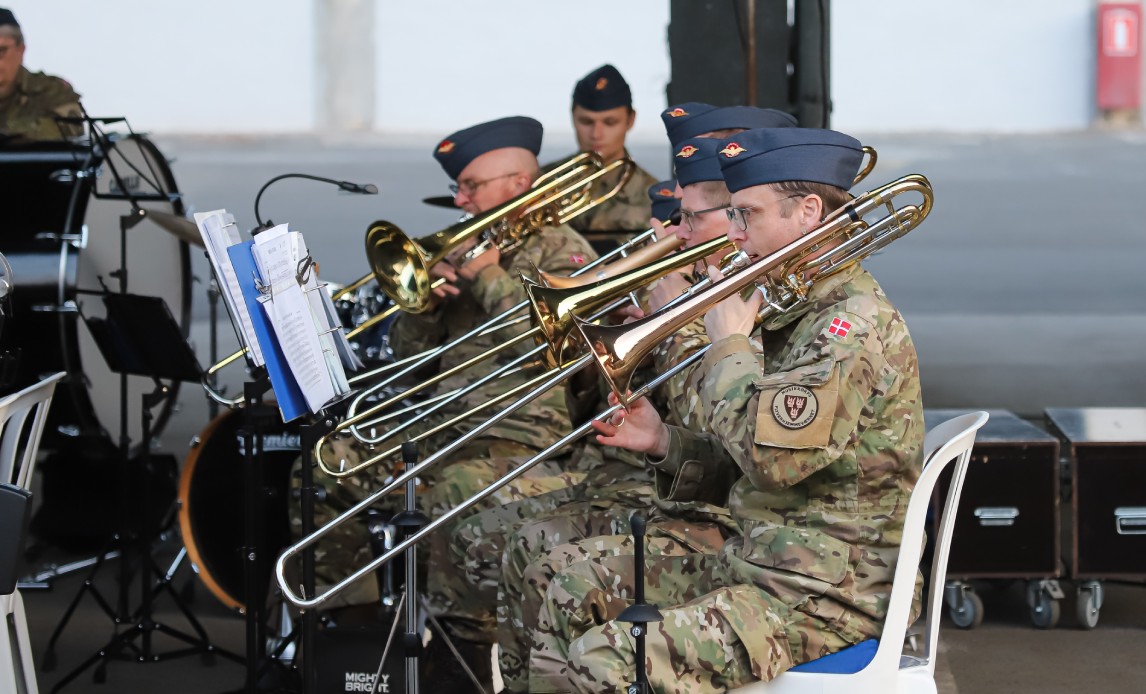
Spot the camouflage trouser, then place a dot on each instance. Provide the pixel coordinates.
(450, 594)
(476, 542)
(717, 633)
(530, 565)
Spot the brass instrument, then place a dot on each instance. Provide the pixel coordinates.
(505, 319)
(867, 168)
(555, 310)
(841, 240)
(783, 277)
(401, 265)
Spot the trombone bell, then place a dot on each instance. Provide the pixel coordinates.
(399, 265)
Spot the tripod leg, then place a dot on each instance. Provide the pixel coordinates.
(48, 662)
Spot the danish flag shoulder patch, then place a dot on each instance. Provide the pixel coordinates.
(839, 327)
(577, 258)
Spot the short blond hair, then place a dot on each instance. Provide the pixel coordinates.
(832, 196)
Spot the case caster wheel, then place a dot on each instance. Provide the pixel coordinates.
(1045, 610)
(1042, 599)
(964, 606)
(1089, 603)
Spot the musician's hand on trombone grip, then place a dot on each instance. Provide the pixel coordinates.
(445, 271)
(733, 316)
(470, 269)
(637, 428)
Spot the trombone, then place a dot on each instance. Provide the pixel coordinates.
(554, 309)
(844, 236)
(401, 265)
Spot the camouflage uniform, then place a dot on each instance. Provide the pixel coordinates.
(555, 249)
(32, 108)
(826, 425)
(537, 549)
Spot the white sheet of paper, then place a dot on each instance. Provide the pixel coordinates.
(219, 233)
(300, 320)
(294, 327)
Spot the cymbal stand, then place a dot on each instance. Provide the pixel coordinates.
(640, 613)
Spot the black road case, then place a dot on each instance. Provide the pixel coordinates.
(1007, 526)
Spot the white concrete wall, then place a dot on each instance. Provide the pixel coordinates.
(197, 66)
(249, 66)
(445, 64)
(972, 65)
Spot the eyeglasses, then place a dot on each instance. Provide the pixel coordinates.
(739, 215)
(468, 188)
(688, 216)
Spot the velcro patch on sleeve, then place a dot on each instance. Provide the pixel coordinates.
(797, 415)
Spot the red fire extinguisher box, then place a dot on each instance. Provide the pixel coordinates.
(1119, 55)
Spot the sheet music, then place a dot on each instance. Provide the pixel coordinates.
(220, 232)
(325, 315)
(309, 352)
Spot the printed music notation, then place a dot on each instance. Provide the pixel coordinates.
(291, 317)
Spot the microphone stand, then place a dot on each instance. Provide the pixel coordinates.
(639, 614)
(360, 188)
(410, 521)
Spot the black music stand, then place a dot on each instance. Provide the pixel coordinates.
(140, 337)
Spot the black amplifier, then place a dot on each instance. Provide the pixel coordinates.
(1007, 525)
(1107, 448)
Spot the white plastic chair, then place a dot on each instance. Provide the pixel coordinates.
(19, 444)
(890, 671)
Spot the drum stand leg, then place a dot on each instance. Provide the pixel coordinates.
(135, 544)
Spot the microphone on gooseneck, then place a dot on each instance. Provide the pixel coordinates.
(348, 186)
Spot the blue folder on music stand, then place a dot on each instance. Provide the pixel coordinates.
(291, 402)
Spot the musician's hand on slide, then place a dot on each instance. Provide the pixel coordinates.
(733, 316)
(666, 289)
(637, 428)
(626, 314)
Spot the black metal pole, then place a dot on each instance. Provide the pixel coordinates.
(411, 521)
(639, 614)
(309, 435)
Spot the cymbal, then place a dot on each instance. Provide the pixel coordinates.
(184, 229)
(441, 201)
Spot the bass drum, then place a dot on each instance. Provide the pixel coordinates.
(64, 245)
(212, 503)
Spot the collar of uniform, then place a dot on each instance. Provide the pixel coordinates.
(817, 292)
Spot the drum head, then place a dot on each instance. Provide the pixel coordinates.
(158, 264)
(213, 500)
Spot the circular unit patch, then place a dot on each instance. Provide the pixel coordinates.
(794, 407)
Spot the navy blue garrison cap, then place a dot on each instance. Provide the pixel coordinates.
(691, 119)
(769, 155)
(7, 18)
(602, 89)
(696, 160)
(456, 151)
(663, 196)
